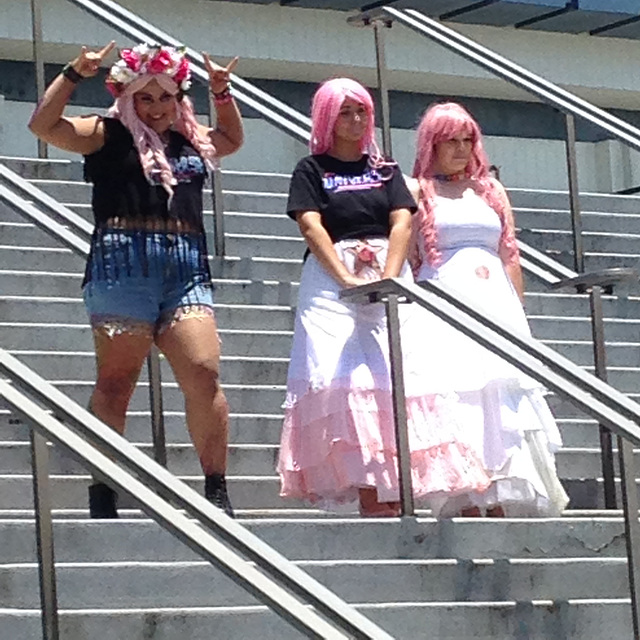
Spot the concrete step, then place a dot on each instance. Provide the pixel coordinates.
(576, 620)
(68, 285)
(259, 399)
(70, 491)
(260, 459)
(560, 219)
(579, 328)
(600, 241)
(244, 459)
(53, 169)
(235, 268)
(65, 310)
(45, 336)
(603, 202)
(55, 365)
(76, 192)
(340, 538)
(243, 428)
(133, 585)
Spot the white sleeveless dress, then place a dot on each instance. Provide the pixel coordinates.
(503, 412)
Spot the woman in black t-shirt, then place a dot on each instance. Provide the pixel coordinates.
(354, 210)
(147, 278)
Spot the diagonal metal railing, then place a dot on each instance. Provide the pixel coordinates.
(590, 394)
(161, 495)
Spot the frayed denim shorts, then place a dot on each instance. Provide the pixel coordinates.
(144, 281)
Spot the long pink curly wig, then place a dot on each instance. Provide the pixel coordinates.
(443, 122)
(148, 142)
(325, 108)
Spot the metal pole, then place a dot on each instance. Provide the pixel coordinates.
(600, 362)
(399, 407)
(36, 29)
(381, 64)
(217, 198)
(574, 194)
(631, 527)
(44, 536)
(155, 400)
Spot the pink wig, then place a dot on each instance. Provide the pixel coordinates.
(325, 108)
(442, 122)
(148, 142)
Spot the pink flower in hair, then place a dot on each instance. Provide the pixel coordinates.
(131, 58)
(183, 72)
(160, 63)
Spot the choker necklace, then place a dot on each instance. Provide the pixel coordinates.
(451, 177)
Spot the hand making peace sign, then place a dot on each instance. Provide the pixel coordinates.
(219, 77)
(88, 62)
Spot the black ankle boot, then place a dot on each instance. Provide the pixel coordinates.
(102, 501)
(215, 490)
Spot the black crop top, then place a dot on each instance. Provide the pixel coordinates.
(120, 188)
(353, 198)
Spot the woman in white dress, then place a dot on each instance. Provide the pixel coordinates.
(354, 211)
(464, 238)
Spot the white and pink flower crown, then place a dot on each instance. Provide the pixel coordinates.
(155, 60)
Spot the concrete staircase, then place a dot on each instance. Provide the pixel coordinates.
(493, 579)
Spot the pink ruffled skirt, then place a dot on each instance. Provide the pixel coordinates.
(338, 434)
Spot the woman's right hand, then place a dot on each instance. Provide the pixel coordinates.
(88, 62)
(350, 281)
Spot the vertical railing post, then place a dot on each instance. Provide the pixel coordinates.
(600, 362)
(38, 59)
(379, 27)
(631, 527)
(399, 406)
(217, 198)
(44, 536)
(157, 412)
(574, 194)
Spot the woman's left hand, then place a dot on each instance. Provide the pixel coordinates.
(219, 77)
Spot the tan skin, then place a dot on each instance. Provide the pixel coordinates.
(451, 158)
(348, 131)
(191, 345)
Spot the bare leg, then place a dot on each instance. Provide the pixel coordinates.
(192, 348)
(119, 360)
(370, 507)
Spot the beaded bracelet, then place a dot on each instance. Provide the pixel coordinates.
(222, 97)
(71, 74)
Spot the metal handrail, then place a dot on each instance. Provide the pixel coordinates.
(591, 394)
(161, 495)
(65, 226)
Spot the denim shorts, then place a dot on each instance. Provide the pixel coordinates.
(145, 280)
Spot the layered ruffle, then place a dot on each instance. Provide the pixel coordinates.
(338, 440)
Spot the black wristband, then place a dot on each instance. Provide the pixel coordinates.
(71, 74)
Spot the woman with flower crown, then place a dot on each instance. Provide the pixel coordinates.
(464, 238)
(147, 278)
(354, 211)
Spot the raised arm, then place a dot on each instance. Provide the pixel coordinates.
(79, 134)
(228, 135)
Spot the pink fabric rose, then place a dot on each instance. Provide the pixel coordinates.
(131, 58)
(183, 71)
(160, 62)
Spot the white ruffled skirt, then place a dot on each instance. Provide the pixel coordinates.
(338, 434)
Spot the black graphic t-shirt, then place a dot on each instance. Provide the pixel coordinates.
(121, 190)
(353, 198)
